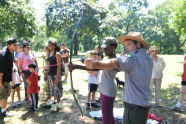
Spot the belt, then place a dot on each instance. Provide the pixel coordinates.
(132, 106)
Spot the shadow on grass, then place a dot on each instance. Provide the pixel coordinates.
(170, 94)
(169, 97)
(72, 116)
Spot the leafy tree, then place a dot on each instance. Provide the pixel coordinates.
(17, 19)
(62, 16)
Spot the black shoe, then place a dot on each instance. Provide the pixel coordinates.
(88, 107)
(98, 101)
(95, 105)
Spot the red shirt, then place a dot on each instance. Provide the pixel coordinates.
(184, 70)
(33, 83)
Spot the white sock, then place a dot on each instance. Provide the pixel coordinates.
(3, 110)
(179, 104)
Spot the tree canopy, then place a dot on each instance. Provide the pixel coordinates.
(163, 26)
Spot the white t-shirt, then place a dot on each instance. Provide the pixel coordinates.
(92, 78)
(15, 75)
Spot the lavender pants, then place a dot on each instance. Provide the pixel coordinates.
(107, 104)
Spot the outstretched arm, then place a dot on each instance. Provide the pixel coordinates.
(105, 65)
(81, 67)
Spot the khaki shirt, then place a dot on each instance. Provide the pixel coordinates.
(158, 67)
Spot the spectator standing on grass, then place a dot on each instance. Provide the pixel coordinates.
(26, 58)
(92, 83)
(53, 84)
(16, 82)
(6, 67)
(65, 59)
(157, 73)
(137, 65)
(33, 88)
(179, 104)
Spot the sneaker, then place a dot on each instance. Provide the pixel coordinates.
(95, 105)
(88, 106)
(54, 108)
(58, 106)
(19, 103)
(98, 101)
(13, 105)
(46, 105)
(175, 108)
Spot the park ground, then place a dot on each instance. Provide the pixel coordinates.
(70, 113)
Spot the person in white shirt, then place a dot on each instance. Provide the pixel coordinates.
(157, 72)
(15, 84)
(92, 83)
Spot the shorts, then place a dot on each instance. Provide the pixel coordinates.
(53, 90)
(183, 83)
(17, 85)
(5, 91)
(92, 87)
(66, 68)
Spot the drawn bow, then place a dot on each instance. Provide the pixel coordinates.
(71, 48)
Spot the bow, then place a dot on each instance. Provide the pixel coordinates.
(72, 42)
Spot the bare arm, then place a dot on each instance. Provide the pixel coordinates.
(81, 67)
(105, 65)
(1, 80)
(58, 59)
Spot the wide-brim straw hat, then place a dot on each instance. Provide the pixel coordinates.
(153, 48)
(133, 36)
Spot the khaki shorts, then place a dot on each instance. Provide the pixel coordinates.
(5, 91)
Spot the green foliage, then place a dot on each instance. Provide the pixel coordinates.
(62, 16)
(17, 20)
(159, 31)
(163, 26)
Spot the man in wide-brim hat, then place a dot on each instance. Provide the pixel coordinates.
(136, 37)
(137, 66)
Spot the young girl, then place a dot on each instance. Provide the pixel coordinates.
(53, 83)
(15, 84)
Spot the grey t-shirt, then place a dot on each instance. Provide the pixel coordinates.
(138, 70)
(107, 84)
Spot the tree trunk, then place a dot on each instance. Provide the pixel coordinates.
(178, 44)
